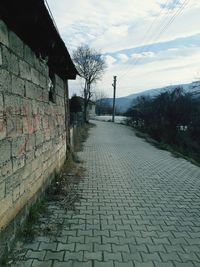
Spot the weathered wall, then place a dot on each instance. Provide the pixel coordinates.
(32, 129)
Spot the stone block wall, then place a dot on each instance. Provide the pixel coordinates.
(32, 128)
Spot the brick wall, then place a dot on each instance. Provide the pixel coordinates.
(32, 128)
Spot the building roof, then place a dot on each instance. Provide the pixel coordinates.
(31, 21)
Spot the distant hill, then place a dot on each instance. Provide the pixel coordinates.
(123, 103)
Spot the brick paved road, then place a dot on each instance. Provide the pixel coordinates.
(140, 207)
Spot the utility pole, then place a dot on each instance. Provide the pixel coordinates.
(114, 94)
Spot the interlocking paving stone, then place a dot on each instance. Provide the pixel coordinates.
(82, 264)
(103, 264)
(78, 256)
(24, 263)
(144, 264)
(47, 246)
(139, 207)
(61, 264)
(124, 264)
(112, 256)
(165, 264)
(102, 247)
(66, 247)
(52, 255)
(37, 263)
(93, 255)
(84, 247)
(35, 254)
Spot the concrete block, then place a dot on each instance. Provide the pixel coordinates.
(59, 91)
(59, 81)
(16, 44)
(37, 123)
(5, 146)
(33, 91)
(43, 68)
(5, 57)
(1, 106)
(42, 108)
(47, 134)
(9, 61)
(6, 169)
(47, 146)
(39, 138)
(18, 146)
(2, 190)
(35, 163)
(22, 189)
(1, 58)
(29, 157)
(35, 76)
(2, 128)
(27, 122)
(3, 33)
(43, 82)
(16, 193)
(60, 101)
(14, 64)
(29, 55)
(45, 121)
(14, 126)
(13, 104)
(16, 179)
(18, 85)
(35, 107)
(5, 81)
(18, 163)
(25, 70)
(30, 142)
(45, 96)
(38, 151)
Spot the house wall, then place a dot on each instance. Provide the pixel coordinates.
(92, 113)
(32, 129)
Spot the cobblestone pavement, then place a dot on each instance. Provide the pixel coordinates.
(139, 206)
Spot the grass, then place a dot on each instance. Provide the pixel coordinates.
(64, 187)
(174, 151)
(32, 218)
(81, 136)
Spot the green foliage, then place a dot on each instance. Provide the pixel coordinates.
(171, 118)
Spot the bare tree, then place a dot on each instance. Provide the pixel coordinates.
(90, 65)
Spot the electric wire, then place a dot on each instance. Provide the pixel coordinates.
(162, 30)
(148, 35)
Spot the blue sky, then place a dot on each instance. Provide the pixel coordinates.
(140, 44)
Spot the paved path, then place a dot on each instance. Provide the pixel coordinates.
(139, 207)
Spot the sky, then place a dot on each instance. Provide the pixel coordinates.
(147, 44)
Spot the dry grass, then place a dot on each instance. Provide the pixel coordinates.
(81, 136)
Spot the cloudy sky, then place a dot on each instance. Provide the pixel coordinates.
(146, 43)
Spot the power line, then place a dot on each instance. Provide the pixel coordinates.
(162, 30)
(150, 35)
(148, 30)
(179, 11)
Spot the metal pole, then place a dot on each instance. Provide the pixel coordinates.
(114, 95)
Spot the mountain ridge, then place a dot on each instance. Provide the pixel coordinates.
(123, 103)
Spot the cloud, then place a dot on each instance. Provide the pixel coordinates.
(143, 55)
(123, 58)
(110, 60)
(129, 30)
